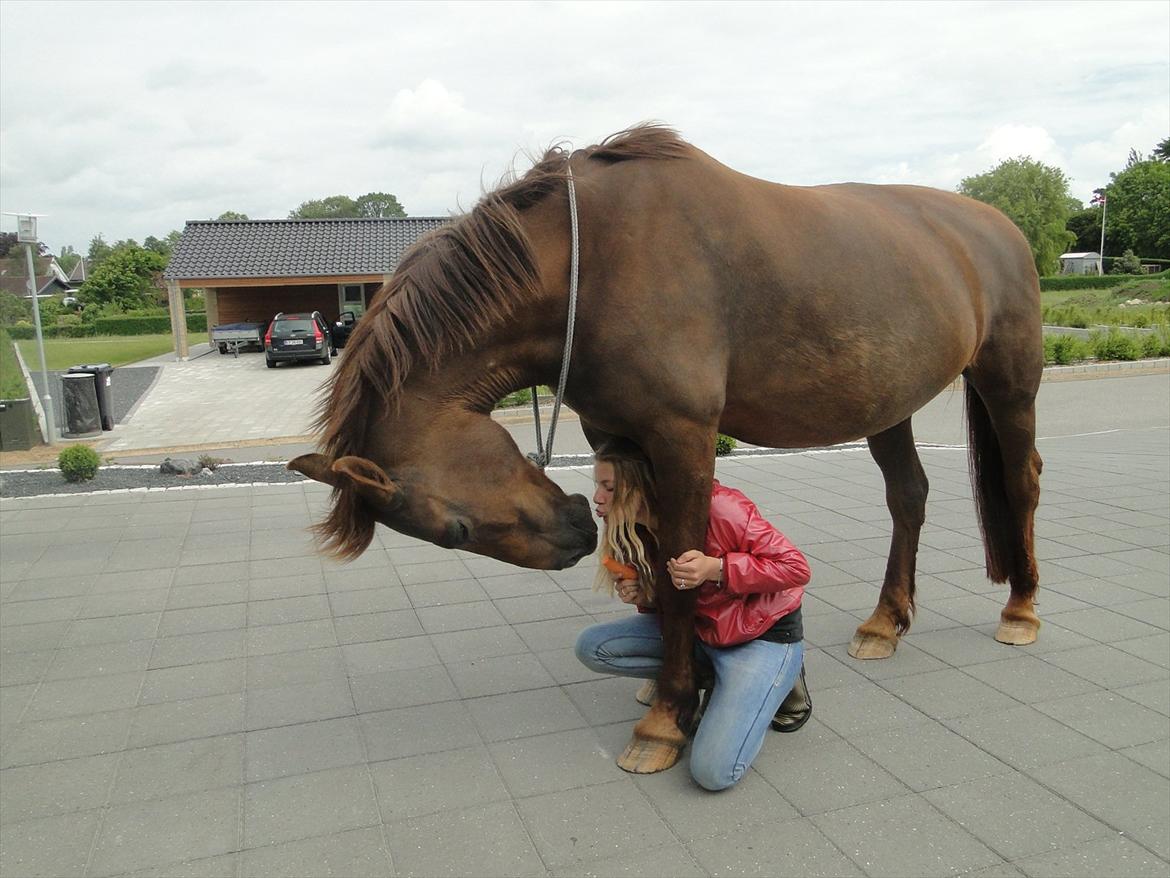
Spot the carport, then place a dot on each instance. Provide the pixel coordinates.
(251, 269)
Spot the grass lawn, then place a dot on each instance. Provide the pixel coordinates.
(117, 350)
(12, 384)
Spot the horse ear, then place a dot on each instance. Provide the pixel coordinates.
(367, 478)
(316, 467)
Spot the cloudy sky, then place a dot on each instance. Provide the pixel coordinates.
(127, 119)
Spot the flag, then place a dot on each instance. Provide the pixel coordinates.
(1098, 199)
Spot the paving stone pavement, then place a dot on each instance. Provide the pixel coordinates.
(188, 689)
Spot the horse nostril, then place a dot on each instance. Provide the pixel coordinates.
(462, 534)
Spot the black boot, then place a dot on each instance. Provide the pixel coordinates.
(794, 710)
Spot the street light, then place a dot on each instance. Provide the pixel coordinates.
(26, 233)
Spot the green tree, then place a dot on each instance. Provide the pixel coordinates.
(1162, 151)
(98, 251)
(9, 246)
(162, 246)
(372, 204)
(13, 309)
(1085, 224)
(129, 277)
(379, 204)
(68, 258)
(1139, 210)
(333, 207)
(1035, 197)
(231, 215)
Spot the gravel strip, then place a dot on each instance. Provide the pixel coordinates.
(34, 483)
(115, 477)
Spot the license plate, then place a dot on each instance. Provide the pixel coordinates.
(292, 341)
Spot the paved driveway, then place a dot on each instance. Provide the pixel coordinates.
(187, 689)
(218, 399)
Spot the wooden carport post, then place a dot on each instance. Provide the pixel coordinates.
(178, 320)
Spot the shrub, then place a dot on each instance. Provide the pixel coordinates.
(1061, 350)
(724, 444)
(13, 309)
(1127, 264)
(519, 397)
(211, 464)
(1113, 345)
(78, 463)
(1151, 345)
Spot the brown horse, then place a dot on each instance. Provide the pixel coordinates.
(709, 301)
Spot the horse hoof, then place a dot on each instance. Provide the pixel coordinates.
(648, 757)
(1016, 633)
(867, 646)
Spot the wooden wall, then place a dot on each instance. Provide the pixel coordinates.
(257, 304)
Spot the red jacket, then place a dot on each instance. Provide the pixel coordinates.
(763, 573)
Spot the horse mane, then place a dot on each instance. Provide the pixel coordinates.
(455, 284)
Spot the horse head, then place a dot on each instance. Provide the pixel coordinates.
(456, 479)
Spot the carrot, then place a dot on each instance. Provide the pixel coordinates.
(617, 568)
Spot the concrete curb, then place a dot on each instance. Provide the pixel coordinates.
(523, 414)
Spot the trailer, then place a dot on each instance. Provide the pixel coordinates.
(233, 336)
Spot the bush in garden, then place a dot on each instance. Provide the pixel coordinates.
(1061, 350)
(724, 444)
(1113, 345)
(78, 463)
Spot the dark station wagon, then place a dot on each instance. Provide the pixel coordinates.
(293, 337)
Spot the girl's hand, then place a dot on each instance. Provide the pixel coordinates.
(627, 590)
(691, 569)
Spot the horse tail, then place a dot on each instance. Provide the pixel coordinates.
(985, 460)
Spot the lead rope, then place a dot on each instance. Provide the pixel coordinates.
(543, 454)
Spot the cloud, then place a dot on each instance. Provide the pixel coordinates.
(151, 114)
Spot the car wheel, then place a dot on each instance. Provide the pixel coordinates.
(325, 358)
(269, 363)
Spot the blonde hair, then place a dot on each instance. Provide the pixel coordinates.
(622, 535)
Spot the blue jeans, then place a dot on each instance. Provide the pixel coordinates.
(751, 680)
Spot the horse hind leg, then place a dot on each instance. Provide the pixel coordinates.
(906, 490)
(1005, 471)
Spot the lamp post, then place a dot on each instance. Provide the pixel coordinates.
(27, 234)
(1104, 205)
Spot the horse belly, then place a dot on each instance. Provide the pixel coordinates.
(838, 397)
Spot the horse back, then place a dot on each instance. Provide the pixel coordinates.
(867, 299)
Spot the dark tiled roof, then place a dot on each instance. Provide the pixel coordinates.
(294, 248)
(81, 271)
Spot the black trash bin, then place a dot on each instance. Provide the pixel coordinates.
(79, 394)
(103, 383)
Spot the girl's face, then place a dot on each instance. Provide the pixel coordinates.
(604, 482)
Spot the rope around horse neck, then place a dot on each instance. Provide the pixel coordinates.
(544, 450)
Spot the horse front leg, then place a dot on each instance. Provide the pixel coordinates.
(660, 736)
(906, 489)
(683, 475)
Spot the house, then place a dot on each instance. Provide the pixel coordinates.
(251, 269)
(1080, 263)
(51, 280)
(81, 272)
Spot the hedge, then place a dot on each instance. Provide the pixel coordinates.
(196, 322)
(1087, 281)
